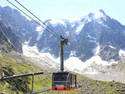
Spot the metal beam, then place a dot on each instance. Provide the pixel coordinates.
(40, 91)
(17, 76)
(61, 55)
(62, 42)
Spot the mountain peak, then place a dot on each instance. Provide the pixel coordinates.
(102, 11)
(99, 14)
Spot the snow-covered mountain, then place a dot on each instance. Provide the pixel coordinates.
(94, 40)
(96, 31)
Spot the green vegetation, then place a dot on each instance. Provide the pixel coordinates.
(5, 48)
(24, 85)
(10, 68)
(89, 86)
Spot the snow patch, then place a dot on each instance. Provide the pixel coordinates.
(97, 50)
(39, 35)
(88, 19)
(122, 53)
(106, 26)
(101, 22)
(112, 47)
(99, 14)
(97, 59)
(73, 53)
(55, 22)
(40, 58)
(92, 39)
(79, 28)
(40, 30)
(74, 64)
(72, 25)
(92, 66)
(67, 33)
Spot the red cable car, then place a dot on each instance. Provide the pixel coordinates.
(63, 80)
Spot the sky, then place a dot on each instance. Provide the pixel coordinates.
(63, 9)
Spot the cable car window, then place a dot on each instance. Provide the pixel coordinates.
(60, 77)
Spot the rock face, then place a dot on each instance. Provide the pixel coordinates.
(16, 28)
(8, 40)
(20, 25)
(94, 34)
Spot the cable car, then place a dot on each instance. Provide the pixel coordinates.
(63, 81)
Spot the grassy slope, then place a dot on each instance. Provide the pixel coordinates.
(10, 67)
(85, 85)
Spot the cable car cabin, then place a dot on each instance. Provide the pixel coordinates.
(63, 81)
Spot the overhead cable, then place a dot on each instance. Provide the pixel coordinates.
(43, 25)
(36, 17)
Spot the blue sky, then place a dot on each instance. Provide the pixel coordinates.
(59, 9)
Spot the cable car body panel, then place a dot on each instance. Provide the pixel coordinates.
(63, 81)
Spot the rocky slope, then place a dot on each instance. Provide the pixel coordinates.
(20, 25)
(8, 40)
